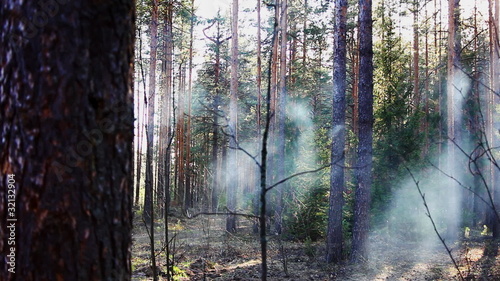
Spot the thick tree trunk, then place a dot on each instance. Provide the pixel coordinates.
(66, 120)
(337, 180)
(365, 146)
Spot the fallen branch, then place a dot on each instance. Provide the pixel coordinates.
(229, 212)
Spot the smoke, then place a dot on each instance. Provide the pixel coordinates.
(406, 223)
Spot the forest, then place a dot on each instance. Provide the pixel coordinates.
(250, 140)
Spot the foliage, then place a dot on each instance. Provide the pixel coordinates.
(308, 221)
(397, 137)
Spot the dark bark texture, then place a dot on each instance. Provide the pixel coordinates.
(66, 121)
(334, 234)
(365, 145)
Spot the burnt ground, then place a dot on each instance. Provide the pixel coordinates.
(205, 251)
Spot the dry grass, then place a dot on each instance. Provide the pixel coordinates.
(205, 251)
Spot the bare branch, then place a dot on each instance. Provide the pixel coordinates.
(313, 171)
(468, 188)
(238, 147)
(296, 175)
(208, 37)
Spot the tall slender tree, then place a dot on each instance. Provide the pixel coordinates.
(416, 56)
(281, 114)
(233, 184)
(337, 179)
(218, 40)
(365, 144)
(453, 91)
(66, 122)
(167, 89)
(148, 195)
(494, 85)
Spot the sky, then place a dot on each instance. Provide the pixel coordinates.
(209, 8)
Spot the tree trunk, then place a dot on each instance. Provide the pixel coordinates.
(491, 102)
(148, 195)
(416, 57)
(66, 149)
(232, 175)
(259, 104)
(337, 180)
(188, 170)
(365, 146)
(453, 107)
(167, 100)
(179, 135)
(281, 114)
(141, 119)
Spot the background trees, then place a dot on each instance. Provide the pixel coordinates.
(398, 119)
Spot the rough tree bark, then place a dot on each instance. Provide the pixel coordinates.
(337, 180)
(66, 122)
(365, 146)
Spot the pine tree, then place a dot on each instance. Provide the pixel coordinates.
(337, 180)
(365, 146)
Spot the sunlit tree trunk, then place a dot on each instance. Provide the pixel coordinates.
(166, 128)
(491, 101)
(281, 115)
(416, 57)
(188, 170)
(425, 120)
(180, 137)
(337, 180)
(232, 176)
(259, 107)
(140, 121)
(439, 56)
(148, 195)
(66, 121)
(274, 97)
(365, 146)
(167, 72)
(453, 117)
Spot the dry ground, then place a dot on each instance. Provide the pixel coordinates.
(204, 251)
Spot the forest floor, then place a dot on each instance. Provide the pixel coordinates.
(205, 251)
